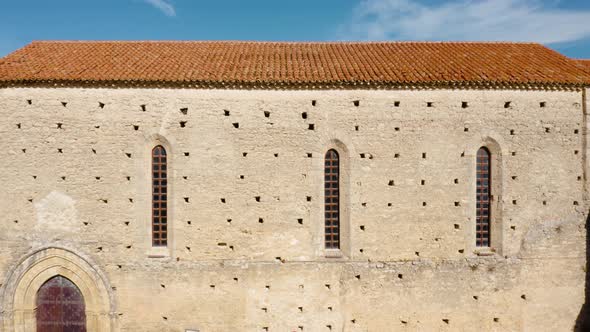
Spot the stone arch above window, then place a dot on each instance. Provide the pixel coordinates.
(19, 296)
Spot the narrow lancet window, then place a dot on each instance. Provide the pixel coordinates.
(483, 198)
(332, 200)
(159, 197)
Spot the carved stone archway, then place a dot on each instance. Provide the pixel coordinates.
(19, 297)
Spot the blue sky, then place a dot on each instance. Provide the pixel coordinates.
(562, 25)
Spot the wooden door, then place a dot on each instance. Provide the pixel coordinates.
(60, 307)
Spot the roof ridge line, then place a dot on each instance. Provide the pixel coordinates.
(228, 41)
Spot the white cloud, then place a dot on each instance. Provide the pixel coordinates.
(493, 20)
(164, 5)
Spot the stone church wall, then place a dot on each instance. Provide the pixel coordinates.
(246, 201)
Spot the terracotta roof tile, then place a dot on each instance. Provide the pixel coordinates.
(289, 64)
(584, 65)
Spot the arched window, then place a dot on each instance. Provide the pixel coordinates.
(60, 307)
(332, 200)
(483, 198)
(159, 197)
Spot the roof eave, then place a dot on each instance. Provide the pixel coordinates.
(290, 85)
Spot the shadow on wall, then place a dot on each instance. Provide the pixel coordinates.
(583, 321)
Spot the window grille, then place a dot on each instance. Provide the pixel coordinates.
(159, 197)
(332, 200)
(483, 198)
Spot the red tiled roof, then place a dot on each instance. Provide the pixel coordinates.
(584, 64)
(289, 64)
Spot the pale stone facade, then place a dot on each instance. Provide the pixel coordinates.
(77, 203)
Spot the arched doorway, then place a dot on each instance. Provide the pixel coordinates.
(60, 307)
(46, 272)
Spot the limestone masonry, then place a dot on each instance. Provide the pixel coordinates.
(246, 204)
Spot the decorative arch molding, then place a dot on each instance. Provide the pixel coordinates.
(493, 143)
(18, 299)
(158, 139)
